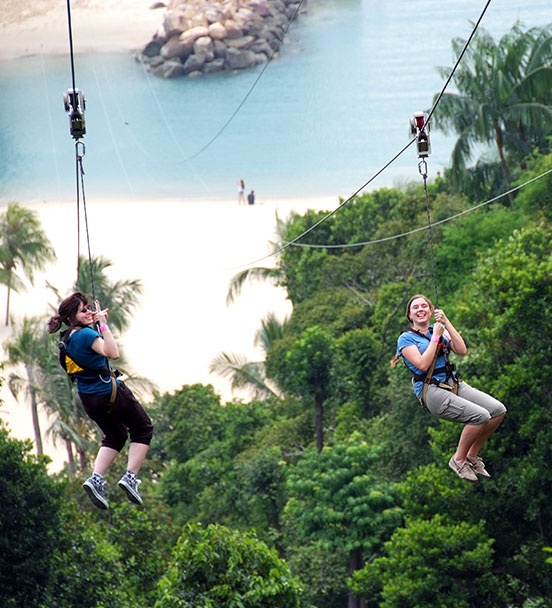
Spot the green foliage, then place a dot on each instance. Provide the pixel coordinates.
(340, 509)
(186, 422)
(222, 479)
(216, 566)
(337, 499)
(29, 524)
(87, 568)
(535, 199)
(432, 563)
(308, 365)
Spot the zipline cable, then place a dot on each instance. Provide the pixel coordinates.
(251, 88)
(331, 213)
(422, 167)
(352, 196)
(75, 105)
(424, 147)
(422, 228)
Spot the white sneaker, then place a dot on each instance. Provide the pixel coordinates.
(464, 470)
(478, 466)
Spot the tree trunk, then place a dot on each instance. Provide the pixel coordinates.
(34, 412)
(355, 563)
(319, 423)
(503, 163)
(8, 306)
(70, 457)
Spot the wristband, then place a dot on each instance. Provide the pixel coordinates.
(432, 339)
(103, 328)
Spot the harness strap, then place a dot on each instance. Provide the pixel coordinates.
(430, 380)
(113, 390)
(427, 380)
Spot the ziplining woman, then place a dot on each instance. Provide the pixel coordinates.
(105, 398)
(425, 349)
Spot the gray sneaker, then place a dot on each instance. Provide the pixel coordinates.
(129, 483)
(94, 487)
(464, 470)
(478, 466)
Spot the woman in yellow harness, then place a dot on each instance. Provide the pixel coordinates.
(106, 399)
(424, 349)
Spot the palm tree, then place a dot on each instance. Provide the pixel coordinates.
(260, 273)
(503, 103)
(24, 350)
(22, 243)
(120, 297)
(246, 374)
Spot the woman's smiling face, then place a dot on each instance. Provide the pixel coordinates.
(420, 311)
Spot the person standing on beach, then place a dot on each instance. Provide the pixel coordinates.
(251, 197)
(424, 349)
(105, 398)
(241, 192)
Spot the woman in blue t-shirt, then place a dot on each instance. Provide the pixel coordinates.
(425, 347)
(105, 398)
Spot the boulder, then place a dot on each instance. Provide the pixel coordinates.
(214, 66)
(240, 43)
(206, 36)
(174, 23)
(239, 60)
(153, 47)
(204, 46)
(194, 62)
(217, 31)
(233, 30)
(175, 48)
(170, 69)
(191, 35)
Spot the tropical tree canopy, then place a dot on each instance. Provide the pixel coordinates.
(22, 244)
(502, 108)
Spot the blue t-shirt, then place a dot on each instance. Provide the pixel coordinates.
(80, 347)
(409, 338)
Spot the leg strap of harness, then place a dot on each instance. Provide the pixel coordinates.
(113, 390)
(443, 385)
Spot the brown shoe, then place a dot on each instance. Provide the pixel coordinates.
(464, 470)
(478, 466)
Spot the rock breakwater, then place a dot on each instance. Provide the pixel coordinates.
(205, 36)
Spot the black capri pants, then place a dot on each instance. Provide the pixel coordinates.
(125, 418)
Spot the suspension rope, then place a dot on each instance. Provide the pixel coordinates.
(422, 168)
(422, 228)
(352, 196)
(255, 82)
(81, 173)
(75, 105)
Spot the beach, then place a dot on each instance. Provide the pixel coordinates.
(183, 252)
(42, 26)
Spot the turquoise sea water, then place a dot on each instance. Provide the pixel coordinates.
(322, 119)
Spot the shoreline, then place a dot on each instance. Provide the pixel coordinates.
(97, 25)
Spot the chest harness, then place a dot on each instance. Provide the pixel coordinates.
(75, 369)
(449, 369)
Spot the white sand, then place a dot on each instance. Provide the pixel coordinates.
(42, 26)
(185, 255)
